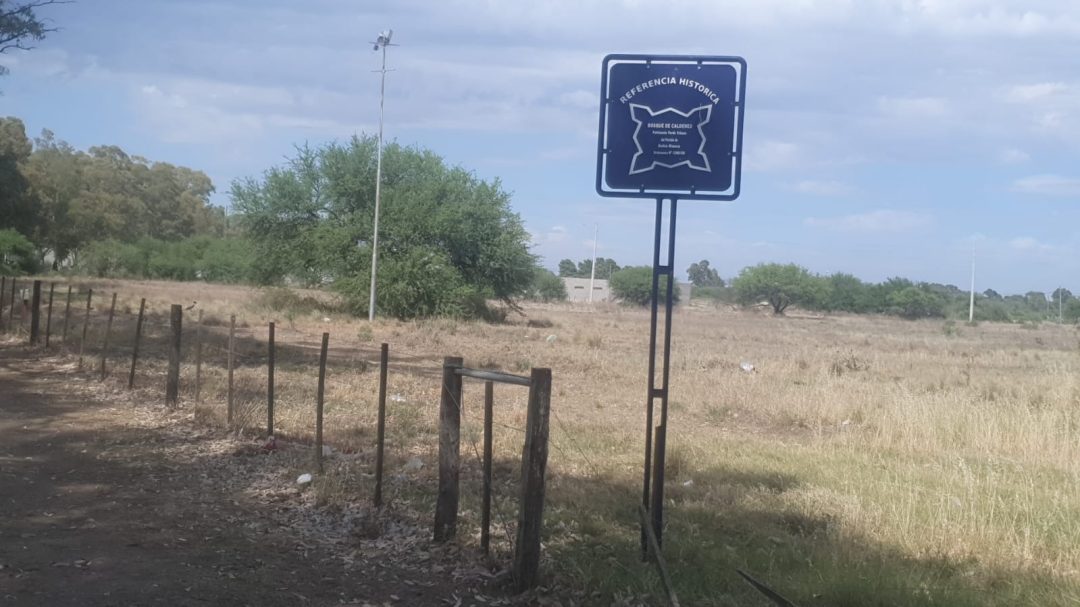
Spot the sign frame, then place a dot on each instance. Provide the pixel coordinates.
(689, 192)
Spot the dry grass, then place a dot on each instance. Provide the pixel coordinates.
(866, 461)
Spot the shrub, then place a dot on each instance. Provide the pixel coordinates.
(633, 285)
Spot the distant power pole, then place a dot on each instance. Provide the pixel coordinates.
(592, 275)
(971, 301)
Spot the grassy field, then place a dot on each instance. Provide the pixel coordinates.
(866, 461)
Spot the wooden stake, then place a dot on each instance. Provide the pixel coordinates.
(270, 349)
(485, 505)
(446, 504)
(108, 335)
(35, 315)
(172, 383)
(526, 568)
(85, 326)
(380, 433)
(135, 348)
(198, 360)
(48, 317)
(67, 314)
(319, 403)
(229, 394)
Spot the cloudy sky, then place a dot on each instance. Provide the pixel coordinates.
(883, 137)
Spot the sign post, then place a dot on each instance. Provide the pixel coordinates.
(670, 128)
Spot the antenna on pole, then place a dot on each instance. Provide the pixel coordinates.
(971, 301)
(381, 42)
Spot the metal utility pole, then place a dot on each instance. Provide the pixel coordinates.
(381, 42)
(971, 302)
(592, 276)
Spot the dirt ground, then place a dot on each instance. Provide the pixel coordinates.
(106, 502)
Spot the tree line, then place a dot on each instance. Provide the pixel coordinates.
(783, 285)
(66, 208)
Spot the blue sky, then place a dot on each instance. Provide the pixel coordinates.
(883, 137)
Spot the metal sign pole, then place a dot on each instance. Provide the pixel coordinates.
(670, 127)
(652, 494)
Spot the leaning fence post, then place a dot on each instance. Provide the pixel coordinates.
(135, 349)
(446, 505)
(85, 326)
(485, 504)
(319, 403)
(108, 335)
(270, 382)
(172, 383)
(35, 315)
(198, 359)
(229, 393)
(48, 317)
(67, 314)
(380, 433)
(533, 469)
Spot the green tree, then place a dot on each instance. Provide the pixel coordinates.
(992, 295)
(312, 219)
(915, 302)
(703, 276)
(16, 253)
(547, 287)
(605, 267)
(1072, 311)
(845, 293)
(567, 268)
(18, 207)
(779, 284)
(633, 285)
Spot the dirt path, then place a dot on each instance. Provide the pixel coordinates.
(98, 509)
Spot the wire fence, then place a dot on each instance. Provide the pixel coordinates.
(229, 375)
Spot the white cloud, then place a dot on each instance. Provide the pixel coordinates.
(908, 108)
(772, 155)
(822, 188)
(1027, 243)
(1027, 93)
(1048, 185)
(1013, 156)
(875, 221)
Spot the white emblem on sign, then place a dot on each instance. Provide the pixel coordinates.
(669, 128)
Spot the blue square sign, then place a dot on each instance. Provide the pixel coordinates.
(671, 126)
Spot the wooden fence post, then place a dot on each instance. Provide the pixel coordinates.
(533, 469)
(48, 317)
(172, 383)
(138, 337)
(108, 336)
(67, 314)
(270, 351)
(485, 504)
(446, 504)
(35, 314)
(380, 433)
(11, 312)
(229, 393)
(3, 289)
(319, 403)
(85, 326)
(198, 360)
